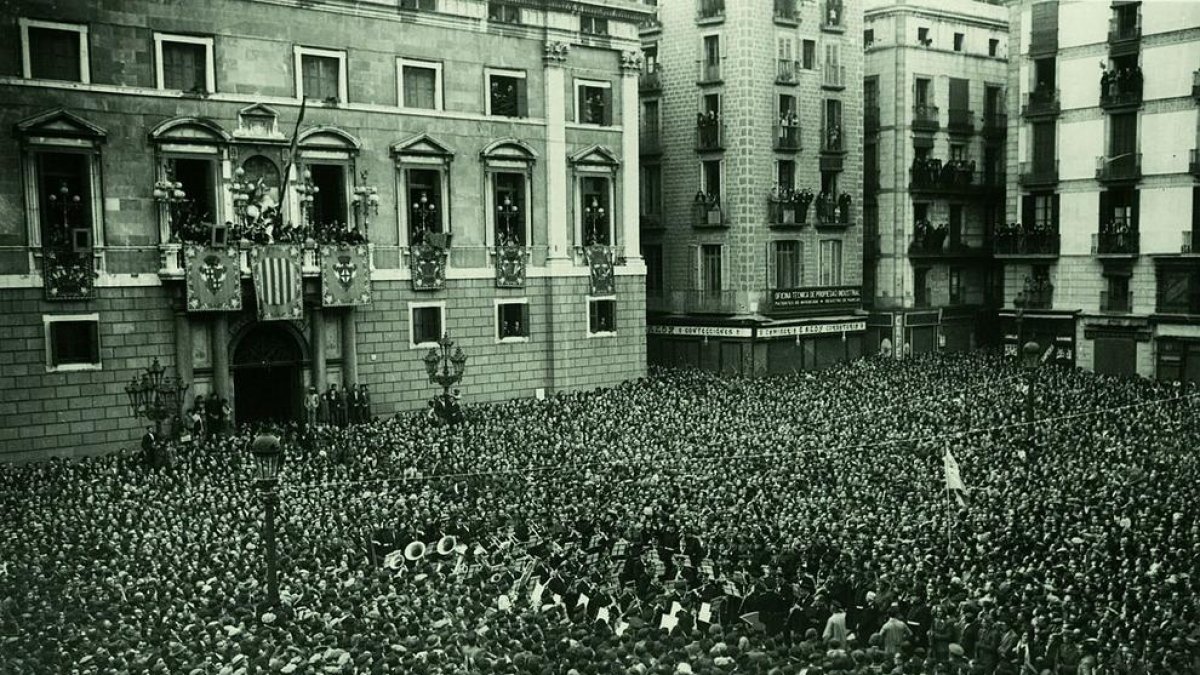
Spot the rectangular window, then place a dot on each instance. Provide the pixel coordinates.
(711, 175)
(831, 263)
(1122, 140)
(329, 203)
(651, 194)
(63, 176)
(650, 58)
(710, 268)
(512, 215)
(924, 91)
(426, 321)
(185, 63)
(72, 342)
(921, 286)
(810, 55)
(868, 38)
(602, 317)
(512, 321)
(956, 225)
(993, 47)
(788, 271)
(501, 12)
(425, 206)
(653, 254)
(920, 211)
(506, 94)
(832, 136)
(321, 75)
(1044, 146)
(1043, 211)
(1117, 291)
(958, 41)
(923, 36)
(428, 5)
(710, 70)
(1045, 74)
(958, 152)
(593, 103)
(420, 84)
(593, 25)
(55, 51)
(198, 179)
(956, 291)
(597, 212)
(785, 174)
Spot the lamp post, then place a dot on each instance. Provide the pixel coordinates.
(505, 213)
(595, 216)
(66, 204)
(268, 460)
(242, 191)
(1030, 358)
(366, 204)
(445, 369)
(154, 395)
(169, 193)
(424, 211)
(308, 193)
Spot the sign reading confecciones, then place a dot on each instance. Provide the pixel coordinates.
(798, 300)
(761, 333)
(702, 331)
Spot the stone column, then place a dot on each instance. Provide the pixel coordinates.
(317, 337)
(631, 66)
(558, 221)
(349, 349)
(183, 358)
(220, 357)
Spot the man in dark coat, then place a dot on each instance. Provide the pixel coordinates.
(364, 401)
(150, 447)
(352, 404)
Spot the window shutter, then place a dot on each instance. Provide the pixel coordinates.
(522, 99)
(726, 282)
(1027, 210)
(772, 265)
(608, 107)
(694, 250)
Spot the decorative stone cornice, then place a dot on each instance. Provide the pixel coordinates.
(556, 53)
(631, 62)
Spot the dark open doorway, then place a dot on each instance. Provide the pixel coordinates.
(266, 376)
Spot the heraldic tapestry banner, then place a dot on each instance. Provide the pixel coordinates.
(510, 266)
(69, 275)
(600, 261)
(278, 281)
(428, 265)
(345, 276)
(214, 279)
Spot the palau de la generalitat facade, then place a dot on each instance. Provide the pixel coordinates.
(267, 197)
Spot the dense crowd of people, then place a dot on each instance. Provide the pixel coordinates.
(684, 523)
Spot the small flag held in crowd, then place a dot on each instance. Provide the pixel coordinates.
(953, 477)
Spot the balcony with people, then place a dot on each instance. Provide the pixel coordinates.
(787, 207)
(833, 210)
(1118, 237)
(961, 122)
(1036, 293)
(786, 12)
(1122, 168)
(925, 117)
(930, 175)
(710, 131)
(832, 16)
(707, 211)
(1039, 239)
(942, 241)
(787, 133)
(710, 10)
(1042, 101)
(1121, 87)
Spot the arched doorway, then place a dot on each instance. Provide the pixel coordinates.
(266, 375)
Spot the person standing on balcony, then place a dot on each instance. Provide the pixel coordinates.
(312, 405)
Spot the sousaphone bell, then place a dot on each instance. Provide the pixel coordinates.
(446, 545)
(415, 550)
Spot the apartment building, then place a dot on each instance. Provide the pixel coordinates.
(751, 184)
(934, 123)
(1100, 257)
(264, 210)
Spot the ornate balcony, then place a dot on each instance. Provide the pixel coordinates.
(995, 126)
(698, 301)
(788, 211)
(955, 177)
(1121, 89)
(1038, 173)
(1124, 168)
(1116, 303)
(833, 211)
(710, 133)
(925, 117)
(1022, 244)
(961, 122)
(1116, 244)
(1041, 103)
(707, 212)
(787, 135)
(787, 72)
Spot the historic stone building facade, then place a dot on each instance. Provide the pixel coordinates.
(751, 184)
(1101, 262)
(487, 150)
(934, 124)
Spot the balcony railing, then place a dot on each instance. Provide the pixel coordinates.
(1126, 167)
(1040, 296)
(1122, 244)
(831, 17)
(707, 212)
(1041, 102)
(710, 302)
(1119, 303)
(1030, 244)
(786, 212)
(785, 10)
(710, 134)
(835, 76)
(833, 211)
(938, 242)
(931, 175)
(870, 119)
(787, 72)
(787, 135)
(708, 72)
(1190, 242)
(995, 125)
(1119, 32)
(1121, 88)
(651, 78)
(711, 9)
(650, 142)
(832, 140)
(925, 117)
(961, 121)
(1039, 173)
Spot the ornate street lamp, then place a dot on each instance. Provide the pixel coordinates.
(242, 190)
(506, 212)
(424, 212)
(365, 203)
(445, 368)
(66, 204)
(170, 193)
(308, 194)
(268, 460)
(594, 216)
(155, 396)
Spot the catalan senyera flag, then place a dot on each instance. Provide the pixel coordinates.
(953, 477)
(278, 282)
